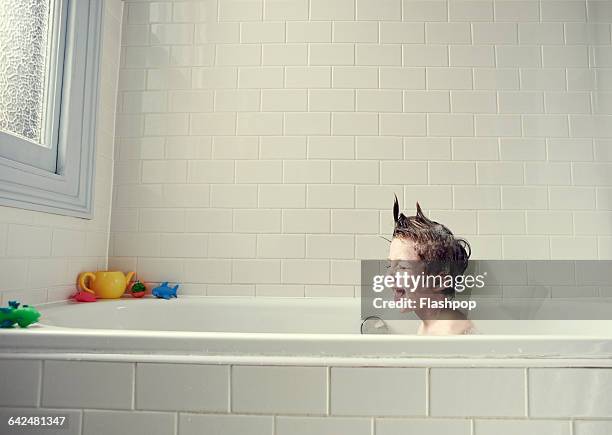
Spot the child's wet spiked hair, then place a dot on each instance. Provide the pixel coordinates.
(434, 242)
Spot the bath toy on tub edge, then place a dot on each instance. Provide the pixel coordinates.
(164, 291)
(138, 290)
(24, 316)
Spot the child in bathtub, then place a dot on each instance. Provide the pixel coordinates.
(420, 243)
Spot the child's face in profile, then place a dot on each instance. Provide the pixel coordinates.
(403, 258)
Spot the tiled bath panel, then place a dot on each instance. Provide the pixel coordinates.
(191, 399)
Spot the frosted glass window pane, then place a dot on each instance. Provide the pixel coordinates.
(24, 54)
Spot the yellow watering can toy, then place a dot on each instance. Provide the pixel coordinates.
(105, 284)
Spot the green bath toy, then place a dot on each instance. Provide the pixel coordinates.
(24, 316)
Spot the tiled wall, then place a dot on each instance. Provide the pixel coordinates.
(260, 142)
(189, 399)
(40, 253)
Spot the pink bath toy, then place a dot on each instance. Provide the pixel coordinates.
(84, 296)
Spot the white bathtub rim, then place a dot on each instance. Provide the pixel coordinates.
(315, 361)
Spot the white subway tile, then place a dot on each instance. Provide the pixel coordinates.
(378, 54)
(286, 10)
(499, 173)
(235, 147)
(427, 148)
(473, 102)
(354, 172)
(428, 196)
(497, 125)
(569, 387)
(351, 124)
(585, 427)
(425, 10)
(440, 124)
(20, 382)
(545, 79)
(406, 124)
(517, 10)
(309, 31)
(324, 246)
(501, 222)
(266, 77)
(379, 101)
(259, 124)
(111, 388)
(194, 424)
(392, 32)
(280, 246)
(231, 245)
(402, 78)
(332, 9)
(240, 10)
(449, 78)
(378, 147)
(396, 426)
(357, 31)
(426, 101)
(257, 221)
(563, 11)
(307, 123)
(171, 34)
(330, 196)
(386, 388)
(470, 10)
(354, 221)
(308, 77)
(331, 100)
(425, 55)
(540, 33)
(248, 272)
(452, 173)
(282, 196)
(238, 54)
(285, 54)
(381, 10)
(140, 423)
(477, 392)
(306, 221)
(494, 33)
(28, 241)
(496, 78)
(283, 147)
(472, 55)
(284, 100)
(306, 171)
(332, 54)
(549, 222)
(237, 100)
(525, 427)
(476, 197)
(295, 390)
(447, 33)
(233, 195)
(262, 32)
(191, 388)
(524, 198)
(513, 56)
(259, 171)
(322, 425)
(547, 173)
(521, 102)
(333, 147)
(355, 77)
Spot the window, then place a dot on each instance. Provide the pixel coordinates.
(49, 59)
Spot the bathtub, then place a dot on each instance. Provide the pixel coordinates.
(289, 331)
(298, 366)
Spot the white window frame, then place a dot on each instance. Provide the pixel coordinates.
(67, 186)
